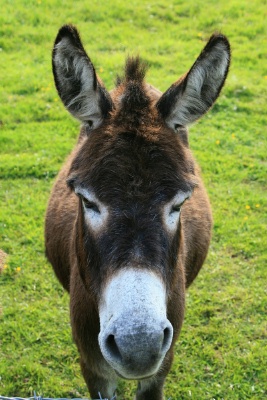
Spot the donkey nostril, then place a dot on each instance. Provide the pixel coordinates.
(167, 338)
(112, 347)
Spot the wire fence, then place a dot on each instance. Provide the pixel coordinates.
(47, 398)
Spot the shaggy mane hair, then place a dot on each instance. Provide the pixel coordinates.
(135, 101)
(135, 70)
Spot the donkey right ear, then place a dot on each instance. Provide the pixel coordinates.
(81, 92)
(192, 96)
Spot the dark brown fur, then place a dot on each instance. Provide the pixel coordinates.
(134, 163)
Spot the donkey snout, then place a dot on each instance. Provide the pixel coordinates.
(137, 351)
(135, 333)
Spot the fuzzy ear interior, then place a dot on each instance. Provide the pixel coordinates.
(77, 84)
(192, 96)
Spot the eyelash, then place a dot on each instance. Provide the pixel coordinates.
(90, 205)
(177, 207)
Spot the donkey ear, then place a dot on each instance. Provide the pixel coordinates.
(191, 97)
(77, 84)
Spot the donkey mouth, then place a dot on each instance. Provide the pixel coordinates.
(139, 378)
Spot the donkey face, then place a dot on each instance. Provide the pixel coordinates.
(131, 190)
(132, 173)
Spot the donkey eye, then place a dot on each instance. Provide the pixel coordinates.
(90, 124)
(176, 208)
(90, 205)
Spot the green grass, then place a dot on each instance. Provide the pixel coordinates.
(221, 353)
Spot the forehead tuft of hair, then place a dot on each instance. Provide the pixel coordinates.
(134, 100)
(134, 70)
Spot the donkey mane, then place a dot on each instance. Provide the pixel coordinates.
(134, 110)
(135, 70)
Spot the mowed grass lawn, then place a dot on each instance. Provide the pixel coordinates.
(222, 350)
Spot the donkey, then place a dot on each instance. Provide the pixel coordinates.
(128, 223)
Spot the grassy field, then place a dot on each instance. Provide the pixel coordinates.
(222, 352)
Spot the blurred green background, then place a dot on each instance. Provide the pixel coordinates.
(221, 353)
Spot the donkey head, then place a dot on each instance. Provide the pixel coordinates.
(132, 173)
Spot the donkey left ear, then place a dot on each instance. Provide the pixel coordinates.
(192, 96)
(77, 84)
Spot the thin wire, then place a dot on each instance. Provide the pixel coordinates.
(49, 398)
